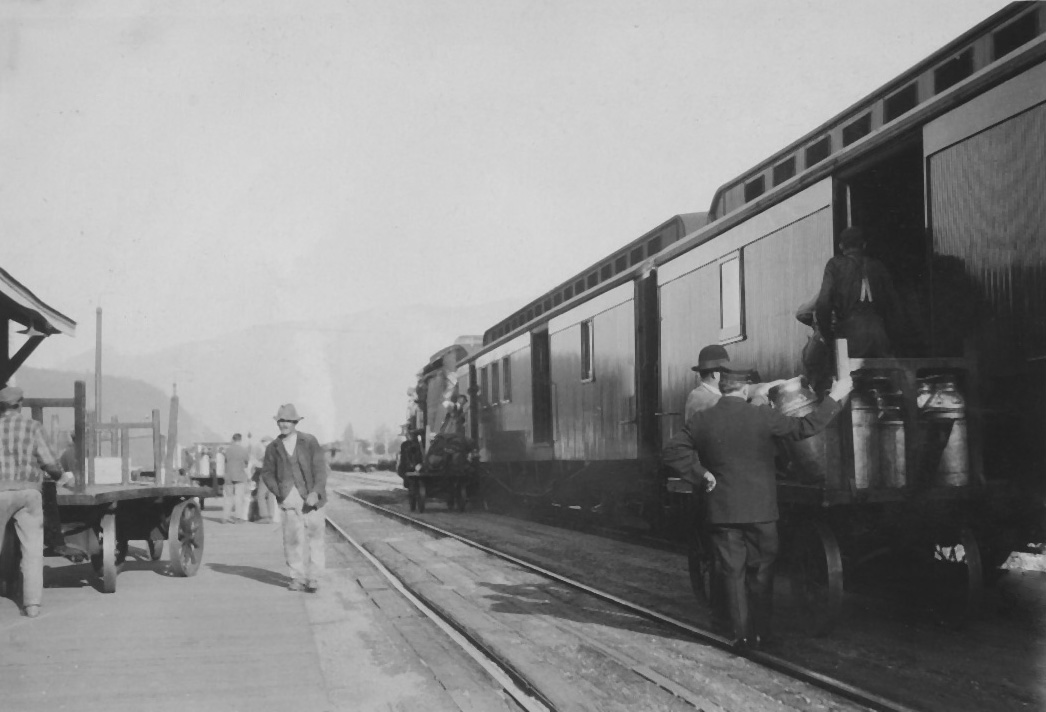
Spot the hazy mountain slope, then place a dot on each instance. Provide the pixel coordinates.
(354, 369)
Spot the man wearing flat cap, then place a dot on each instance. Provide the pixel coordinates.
(857, 301)
(24, 453)
(294, 467)
(729, 450)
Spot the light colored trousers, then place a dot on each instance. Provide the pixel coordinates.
(26, 507)
(234, 499)
(303, 539)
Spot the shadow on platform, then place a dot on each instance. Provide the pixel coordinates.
(253, 573)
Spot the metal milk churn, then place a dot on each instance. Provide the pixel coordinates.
(794, 399)
(945, 413)
(892, 460)
(864, 414)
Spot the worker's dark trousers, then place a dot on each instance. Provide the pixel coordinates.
(53, 536)
(865, 335)
(745, 555)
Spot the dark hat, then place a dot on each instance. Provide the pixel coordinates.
(711, 358)
(738, 375)
(852, 237)
(287, 411)
(11, 395)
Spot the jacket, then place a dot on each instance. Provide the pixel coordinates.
(734, 440)
(277, 470)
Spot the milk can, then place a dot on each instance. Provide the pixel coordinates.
(793, 398)
(892, 462)
(946, 458)
(864, 413)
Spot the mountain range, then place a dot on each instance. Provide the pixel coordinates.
(353, 369)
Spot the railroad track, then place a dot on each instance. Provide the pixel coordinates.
(533, 696)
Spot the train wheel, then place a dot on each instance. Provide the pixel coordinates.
(958, 577)
(462, 495)
(700, 563)
(817, 577)
(421, 497)
(412, 496)
(185, 538)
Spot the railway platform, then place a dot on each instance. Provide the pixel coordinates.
(230, 638)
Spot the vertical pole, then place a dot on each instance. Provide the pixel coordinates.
(157, 446)
(171, 463)
(80, 433)
(114, 442)
(98, 366)
(94, 446)
(125, 455)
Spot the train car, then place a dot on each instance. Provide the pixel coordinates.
(574, 394)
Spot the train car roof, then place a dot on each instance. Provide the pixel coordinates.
(1016, 24)
(21, 305)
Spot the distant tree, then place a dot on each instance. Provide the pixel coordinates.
(348, 439)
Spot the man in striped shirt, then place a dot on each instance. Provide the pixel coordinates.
(24, 456)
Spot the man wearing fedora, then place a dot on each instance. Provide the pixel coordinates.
(728, 450)
(294, 467)
(710, 361)
(24, 453)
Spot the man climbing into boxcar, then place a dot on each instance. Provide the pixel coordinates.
(24, 453)
(728, 450)
(857, 301)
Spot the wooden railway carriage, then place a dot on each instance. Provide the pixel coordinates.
(100, 519)
(946, 167)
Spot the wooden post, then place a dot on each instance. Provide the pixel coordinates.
(95, 447)
(842, 359)
(172, 462)
(125, 455)
(80, 434)
(157, 447)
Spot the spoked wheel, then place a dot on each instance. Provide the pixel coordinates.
(817, 577)
(412, 495)
(462, 496)
(421, 497)
(700, 563)
(185, 538)
(105, 563)
(957, 589)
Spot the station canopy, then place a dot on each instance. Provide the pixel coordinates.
(19, 305)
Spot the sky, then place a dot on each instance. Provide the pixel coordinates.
(196, 168)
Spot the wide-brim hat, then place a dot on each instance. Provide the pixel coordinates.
(287, 411)
(711, 358)
(11, 395)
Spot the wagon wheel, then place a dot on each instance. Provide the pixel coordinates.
(105, 563)
(185, 538)
(412, 495)
(817, 577)
(462, 496)
(700, 563)
(421, 496)
(958, 577)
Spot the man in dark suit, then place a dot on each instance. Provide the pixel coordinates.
(729, 450)
(294, 467)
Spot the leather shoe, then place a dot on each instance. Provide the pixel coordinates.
(32, 611)
(312, 587)
(741, 645)
(296, 586)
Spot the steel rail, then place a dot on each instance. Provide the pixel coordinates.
(773, 662)
(513, 683)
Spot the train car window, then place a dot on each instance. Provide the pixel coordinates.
(587, 370)
(953, 71)
(557, 299)
(495, 383)
(900, 102)
(635, 256)
(530, 315)
(539, 310)
(857, 129)
(579, 286)
(506, 380)
(784, 170)
(484, 385)
(548, 304)
(620, 264)
(731, 298)
(604, 272)
(754, 188)
(653, 245)
(1015, 34)
(818, 151)
(592, 280)
(568, 292)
